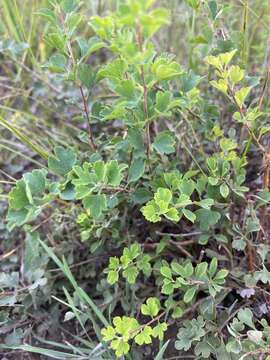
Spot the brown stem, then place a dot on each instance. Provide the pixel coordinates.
(266, 157)
(85, 105)
(242, 113)
(264, 88)
(266, 180)
(251, 255)
(86, 110)
(145, 94)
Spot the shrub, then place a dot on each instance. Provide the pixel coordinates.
(158, 185)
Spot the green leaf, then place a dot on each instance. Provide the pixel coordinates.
(236, 74)
(132, 252)
(144, 337)
(152, 21)
(177, 312)
(189, 81)
(187, 187)
(163, 100)
(189, 294)
(150, 212)
(63, 160)
(20, 217)
(135, 138)
(120, 347)
(239, 244)
(86, 179)
(96, 204)
(245, 316)
(194, 4)
(141, 195)
(164, 143)
(57, 41)
(113, 277)
(113, 263)
(214, 61)
(113, 70)
(159, 329)
(126, 88)
(166, 271)
(227, 144)
(183, 200)
(172, 214)
(226, 58)
(206, 203)
(72, 22)
(193, 331)
(224, 190)
(151, 308)
(90, 46)
(35, 181)
(165, 69)
(130, 274)
(86, 75)
(69, 5)
(48, 14)
(255, 336)
(204, 348)
(188, 270)
(201, 269)
(241, 95)
(108, 333)
(136, 170)
(253, 225)
(113, 173)
(207, 218)
(125, 326)
(144, 264)
(99, 169)
(220, 85)
(57, 63)
(189, 215)
(167, 287)
(178, 269)
(234, 346)
(221, 274)
(213, 7)
(162, 198)
(17, 196)
(213, 267)
(68, 193)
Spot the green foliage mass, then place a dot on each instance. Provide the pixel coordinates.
(145, 197)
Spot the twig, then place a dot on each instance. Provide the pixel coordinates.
(263, 92)
(242, 113)
(85, 104)
(255, 352)
(145, 94)
(179, 235)
(86, 110)
(180, 247)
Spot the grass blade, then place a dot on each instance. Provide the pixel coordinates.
(81, 293)
(47, 352)
(24, 139)
(161, 352)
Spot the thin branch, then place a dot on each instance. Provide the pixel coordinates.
(145, 94)
(86, 110)
(85, 104)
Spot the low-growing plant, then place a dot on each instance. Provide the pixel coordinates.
(158, 184)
